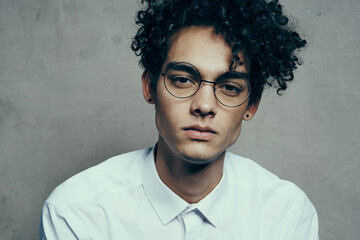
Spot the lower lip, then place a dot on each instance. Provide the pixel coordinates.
(198, 135)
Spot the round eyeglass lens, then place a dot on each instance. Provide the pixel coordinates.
(181, 80)
(232, 91)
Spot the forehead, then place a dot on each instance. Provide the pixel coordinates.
(201, 47)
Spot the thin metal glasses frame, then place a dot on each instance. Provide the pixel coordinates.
(200, 84)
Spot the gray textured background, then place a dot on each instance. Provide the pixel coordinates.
(70, 97)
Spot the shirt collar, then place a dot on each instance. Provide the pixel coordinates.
(169, 205)
(165, 202)
(213, 204)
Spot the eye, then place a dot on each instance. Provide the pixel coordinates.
(230, 89)
(182, 81)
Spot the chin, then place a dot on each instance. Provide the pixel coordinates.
(197, 160)
(201, 157)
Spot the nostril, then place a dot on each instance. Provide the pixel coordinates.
(204, 113)
(211, 113)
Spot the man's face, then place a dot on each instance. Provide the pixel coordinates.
(198, 129)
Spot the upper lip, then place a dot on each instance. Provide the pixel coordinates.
(200, 128)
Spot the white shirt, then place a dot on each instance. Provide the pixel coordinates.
(124, 198)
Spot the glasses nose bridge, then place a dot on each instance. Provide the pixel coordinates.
(206, 81)
(204, 98)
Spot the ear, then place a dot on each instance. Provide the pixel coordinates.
(251, 110)
(148, 91)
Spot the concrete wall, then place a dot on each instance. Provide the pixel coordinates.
(70, 97)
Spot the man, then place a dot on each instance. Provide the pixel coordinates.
(206, 64)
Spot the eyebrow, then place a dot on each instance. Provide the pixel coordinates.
(235, 74)
(182, 66)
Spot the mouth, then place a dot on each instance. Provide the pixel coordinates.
(200, 133)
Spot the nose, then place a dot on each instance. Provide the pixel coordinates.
(204, 102)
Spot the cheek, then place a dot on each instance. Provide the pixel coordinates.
(161, 118)
(238, 130)
(160, 109)
(234, 125)
(235, 130)
(170, 111)
(166, 118)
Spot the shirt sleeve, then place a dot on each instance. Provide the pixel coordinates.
(301, 222)
(54, 225)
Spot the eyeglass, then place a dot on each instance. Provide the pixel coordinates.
(183, 80)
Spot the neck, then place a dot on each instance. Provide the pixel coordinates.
(190, 181)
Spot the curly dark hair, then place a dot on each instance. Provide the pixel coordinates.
(258, 28)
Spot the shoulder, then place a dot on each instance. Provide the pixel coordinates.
(264, 197)
(247, 174)
(116, 174)
(283, 205)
